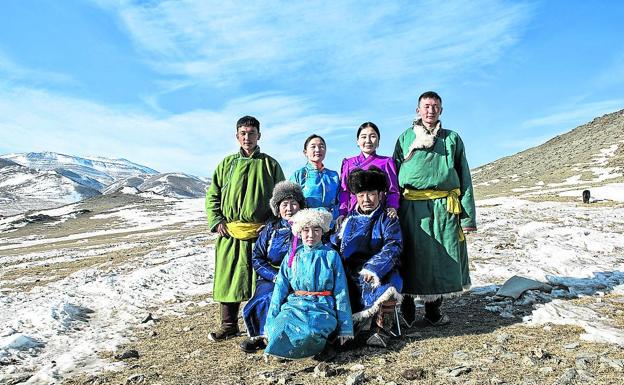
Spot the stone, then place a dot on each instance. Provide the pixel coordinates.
(615, 364)
(136, 379)
(459, 370)
(355, 378)
(572, 346)
(148, 318)
(566, 378)
(413, 374)
(416, 353)
(501, 338)
(324, 370)
(357, 367)
(546, 370)
(529, 361)
(127, 355)
(516, 285)
(581, 363)
(496, 381)
(460, 355)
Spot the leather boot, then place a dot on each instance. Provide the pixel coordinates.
(408, 311)
(229, 322)
(433, 314)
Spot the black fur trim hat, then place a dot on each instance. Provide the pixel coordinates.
(286, 190)
(367, 180)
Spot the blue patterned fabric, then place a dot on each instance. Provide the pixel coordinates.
(320, 188)
(372, 243)
(269, 250)
(299, 326)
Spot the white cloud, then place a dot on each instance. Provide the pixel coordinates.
(231, 42)
(12, 71)
(576, 114)
(194, 142)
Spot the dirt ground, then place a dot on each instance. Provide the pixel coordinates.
(477, 347)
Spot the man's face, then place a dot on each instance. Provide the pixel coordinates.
(247, 138)
(429, 111)
(367, 200)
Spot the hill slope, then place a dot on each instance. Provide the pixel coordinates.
(589, 156)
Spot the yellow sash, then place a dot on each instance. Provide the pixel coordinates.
(453, 205)
(242, 230)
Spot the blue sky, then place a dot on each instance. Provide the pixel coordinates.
(162, 83)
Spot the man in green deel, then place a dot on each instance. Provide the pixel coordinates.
(237, 205)
(437, 206)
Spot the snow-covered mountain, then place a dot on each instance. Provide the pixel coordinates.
(175, 185)
(94, 172)
(23, 188)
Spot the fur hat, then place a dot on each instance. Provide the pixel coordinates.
(367, 180)
(286, 190)
(311, 217)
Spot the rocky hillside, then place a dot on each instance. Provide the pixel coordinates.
(587, 157)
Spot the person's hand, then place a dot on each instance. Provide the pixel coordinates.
(391, 211)
(222, 229)
(339, 221)
(368, 278)
(469, 230)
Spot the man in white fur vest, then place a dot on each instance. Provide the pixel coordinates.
(437, 207)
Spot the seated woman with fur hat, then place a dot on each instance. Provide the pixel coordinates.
(310, 301)
(269, 250)
(370, 244)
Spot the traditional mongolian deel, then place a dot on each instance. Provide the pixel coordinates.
(239, 193)
(299, 324)
(320, 187)
(435, 178)
(371, 243)
(385, 163)
(270, 249)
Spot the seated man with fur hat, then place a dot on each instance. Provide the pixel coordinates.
(268, 252)
(370, 244)
(310, 301)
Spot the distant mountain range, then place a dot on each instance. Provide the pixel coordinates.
(34, 181)
(587, 157)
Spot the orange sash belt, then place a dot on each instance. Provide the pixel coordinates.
(319, 293)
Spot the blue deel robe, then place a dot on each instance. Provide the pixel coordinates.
(320, 188)
(371, 243)
(269, 250)
(299, 326)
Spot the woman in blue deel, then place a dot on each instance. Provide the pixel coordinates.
(320, 185)
(310, 301)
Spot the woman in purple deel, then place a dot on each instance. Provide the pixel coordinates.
(368, 141)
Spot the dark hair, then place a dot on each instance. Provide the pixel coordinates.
(367, 180)
(313, 136)
(429, 95)
(248, 121)
(368, 124)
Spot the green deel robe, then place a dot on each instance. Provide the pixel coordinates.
(435, 262)
(240, 191)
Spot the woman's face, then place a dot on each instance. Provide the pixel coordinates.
(368, 140)
(288, 207)
(311, 235)
(315, 150)
(367, 201)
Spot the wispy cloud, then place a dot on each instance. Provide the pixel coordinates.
(14, 72)
(576, 114)
(193, 142)
(342, 41)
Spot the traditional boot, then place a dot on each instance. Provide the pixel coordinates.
(229, 322)
(408, 311)
(433, 314)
